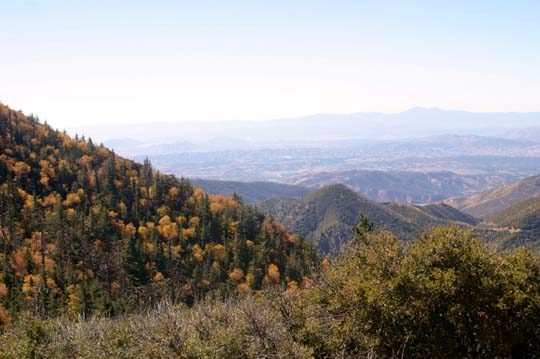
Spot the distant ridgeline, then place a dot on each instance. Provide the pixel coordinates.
(83, 230)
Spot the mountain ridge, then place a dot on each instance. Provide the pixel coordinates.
(427, 121)
(492, 201)
(326, 216)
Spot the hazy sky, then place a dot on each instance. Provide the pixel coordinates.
(89, 62)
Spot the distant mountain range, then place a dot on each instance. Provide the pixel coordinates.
(326, 217)
(414, 123)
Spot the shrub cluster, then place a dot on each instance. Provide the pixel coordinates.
(445, 295)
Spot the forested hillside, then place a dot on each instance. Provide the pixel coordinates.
(83, 230)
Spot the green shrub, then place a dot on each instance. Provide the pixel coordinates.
(444, 296)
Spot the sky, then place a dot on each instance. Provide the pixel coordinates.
(78, 63)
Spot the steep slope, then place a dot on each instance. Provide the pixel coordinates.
(84, 230)
(251, 192)
(445, 212)
(515, 226)
(490, 202)
(524, 215)
(438, 214)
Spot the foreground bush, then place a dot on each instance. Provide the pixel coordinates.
(444, 296)
(248, 328)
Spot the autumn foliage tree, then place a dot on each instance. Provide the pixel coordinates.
(84, 230)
